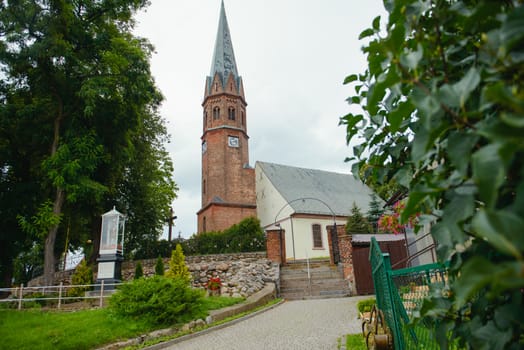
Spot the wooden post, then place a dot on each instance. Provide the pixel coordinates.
(102, 294)
(20, 296)
(60, 294)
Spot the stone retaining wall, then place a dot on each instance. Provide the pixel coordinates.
(242, 274)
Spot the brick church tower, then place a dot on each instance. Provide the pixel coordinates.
(228, 181)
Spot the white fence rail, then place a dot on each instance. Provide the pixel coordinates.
(60, 294)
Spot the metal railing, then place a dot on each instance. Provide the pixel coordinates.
(59, 294)
(399, 295)
(407, 260)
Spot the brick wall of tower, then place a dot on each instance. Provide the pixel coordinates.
(220, 217)
(225, 171)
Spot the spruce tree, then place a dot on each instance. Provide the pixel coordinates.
(375, 212)
(139, 271)
(357, 223)
(177, 265)
(159, 267)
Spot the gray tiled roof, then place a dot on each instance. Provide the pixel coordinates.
(338, 191)
(223, 57)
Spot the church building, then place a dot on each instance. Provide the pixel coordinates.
(228, 180)
(303, 202)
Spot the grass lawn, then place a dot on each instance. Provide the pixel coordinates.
(86, 329)
(355, 342)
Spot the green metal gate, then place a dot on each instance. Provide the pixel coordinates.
(400, 294)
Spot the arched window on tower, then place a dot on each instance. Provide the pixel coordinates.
(204, 224)
(242, 117)
(205, 118)
(216, 113)
(231, 114)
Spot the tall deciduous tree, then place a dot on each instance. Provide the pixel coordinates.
(443, 115)
(80, 110)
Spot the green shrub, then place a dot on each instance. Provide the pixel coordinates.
(83, 275)
(365, 305)
(139, 271)
(159, 267)
(177, 265)
(246, 236)
(158, 300)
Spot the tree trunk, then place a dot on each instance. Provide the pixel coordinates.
(49, 247)
(95, 241)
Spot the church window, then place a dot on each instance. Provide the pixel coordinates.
(204, 224)
(232, 114)
(216, 113)
(317, 236)
(242, 117)
(205, 118)
(204, 186)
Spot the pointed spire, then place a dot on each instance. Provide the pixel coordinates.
(224, 58)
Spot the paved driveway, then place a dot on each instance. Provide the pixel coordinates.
(302, 324)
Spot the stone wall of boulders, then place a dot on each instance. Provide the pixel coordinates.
(241, 274)
(63, 277)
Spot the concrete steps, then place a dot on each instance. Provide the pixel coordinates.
(324, 281)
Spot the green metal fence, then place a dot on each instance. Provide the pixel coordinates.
(400, 294)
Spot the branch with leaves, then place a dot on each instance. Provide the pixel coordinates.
(440, 110)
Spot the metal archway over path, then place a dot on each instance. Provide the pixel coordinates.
(335, 251)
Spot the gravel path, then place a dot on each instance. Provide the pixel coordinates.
(301, 324)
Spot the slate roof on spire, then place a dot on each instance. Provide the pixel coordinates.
(223, 57)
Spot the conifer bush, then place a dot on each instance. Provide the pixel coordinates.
(139, 271)
(177, 265)
(158, 300)
(159, 267)
(83, 275)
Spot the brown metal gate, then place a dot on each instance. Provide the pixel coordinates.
(362, 266)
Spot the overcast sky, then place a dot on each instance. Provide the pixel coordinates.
(292, 55)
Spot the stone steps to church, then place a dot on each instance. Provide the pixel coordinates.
(302, 264)
(301, 288)
(324, 281)
(315, 274)
(298, 294)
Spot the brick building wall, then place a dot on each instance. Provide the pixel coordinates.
(218, 217)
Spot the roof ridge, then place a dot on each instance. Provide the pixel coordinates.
(303, 168)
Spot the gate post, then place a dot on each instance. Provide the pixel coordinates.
(334, 250)
(276, 246)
